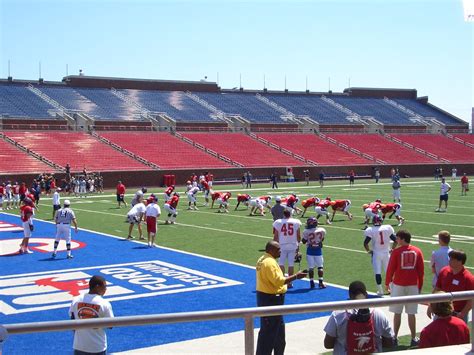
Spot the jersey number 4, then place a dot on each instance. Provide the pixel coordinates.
(287, 229)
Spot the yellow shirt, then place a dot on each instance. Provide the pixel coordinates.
(270, 278)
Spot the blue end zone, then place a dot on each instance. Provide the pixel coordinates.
(37, 288)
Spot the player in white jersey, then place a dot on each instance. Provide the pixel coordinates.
(257, 204)
(64, 217)
(379, 237)
(313, 237)
(192, 192)
(152, 213)
(138, 197)
(286, 231)
(135, 217)
(8, 196)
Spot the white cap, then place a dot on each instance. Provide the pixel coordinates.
(278, 199)
(67, 203)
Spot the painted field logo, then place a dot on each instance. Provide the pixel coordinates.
(55, 289)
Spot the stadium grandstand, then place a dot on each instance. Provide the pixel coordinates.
(159, 127)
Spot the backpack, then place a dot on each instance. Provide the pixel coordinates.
(360, 332)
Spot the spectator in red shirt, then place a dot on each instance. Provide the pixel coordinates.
(455, 277)
(121, 194)
(464, 185)
(445, 329)
(405, 274)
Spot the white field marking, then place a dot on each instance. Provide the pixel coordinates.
(357, 188)
(229, 232)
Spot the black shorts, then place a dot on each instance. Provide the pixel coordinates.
(351, 178)
(56, 207)
(443, 197)
(120, 198)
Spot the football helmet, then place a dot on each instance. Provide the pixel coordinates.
(298, 257)
(311, 222)
(377, 221)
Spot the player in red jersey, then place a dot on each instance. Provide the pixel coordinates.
(309, 202)
(290, 204)
(393, 209)
(404, 277)
(26, 215)
(215, 196)
(371, 210)
(343, 206)
(120, 191)
(244, 199)
(207, 191)
(464, 185)
(170, 206)
(224, 202)
(322, 209)
(209, 178)
(169, 192)
(2, 195)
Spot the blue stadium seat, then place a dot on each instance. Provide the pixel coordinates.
(377, 108)
(428, 111)
(17, 101)
(244, 104)
(174, 103)
(312, 106)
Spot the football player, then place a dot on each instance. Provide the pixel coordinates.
(343, 206)
(207, 191)
(286, 231)
(192, 198)
(244, 199)
(310, 202)
(313, 237)
(379, 237)
(393, 209)
(215, 196)
(169, 192)
(170, 206)
(224, 202)
(26, 215)
(290, 203)
(322, 209)
(371, 210)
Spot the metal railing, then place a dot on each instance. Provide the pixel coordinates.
(248, 314)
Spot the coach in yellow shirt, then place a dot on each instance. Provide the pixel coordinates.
(271, 289)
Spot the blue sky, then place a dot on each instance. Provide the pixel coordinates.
(421, 44)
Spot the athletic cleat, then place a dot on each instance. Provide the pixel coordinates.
(329, 222)
(167, 222)
(196, 209)
(173, 222)
(129, 237)
(438, 210)
(28, 251)
(53, 256)
(322, 285)
(21, 251)
(415, 342)
(70, 256)
(311, 284)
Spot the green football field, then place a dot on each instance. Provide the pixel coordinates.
(238, 237)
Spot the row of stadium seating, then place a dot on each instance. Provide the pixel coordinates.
(16, 100)
(224, 150)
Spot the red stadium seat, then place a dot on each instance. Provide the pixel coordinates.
(165, 150)
(78, 149)
(243, 149)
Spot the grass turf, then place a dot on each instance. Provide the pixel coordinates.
(238, 237)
